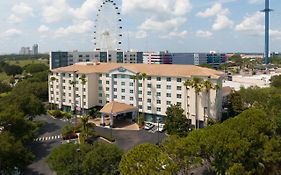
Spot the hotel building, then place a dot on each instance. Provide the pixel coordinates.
(113, 82)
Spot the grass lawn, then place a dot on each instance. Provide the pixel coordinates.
(23, 63)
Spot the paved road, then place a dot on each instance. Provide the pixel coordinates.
(48, 140)
(44, 144)
(128, 139)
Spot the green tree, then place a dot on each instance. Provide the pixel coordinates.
(276, 81)
(176, 122)
(208, 85)
(146, 159)
(196, 84)
(4, 87)
(13, 154)
(35, 68)
(12, 70)
(103, 159)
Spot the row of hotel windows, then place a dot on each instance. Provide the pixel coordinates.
(158, 94)
(168, 79)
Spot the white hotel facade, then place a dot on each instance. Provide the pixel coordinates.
(110, 82)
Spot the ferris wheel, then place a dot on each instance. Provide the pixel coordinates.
(107, 34)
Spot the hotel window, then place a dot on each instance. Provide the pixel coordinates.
(63, 81)
(123, 90)
(69, 101)
(149, 85)
(158, 94)
(100, 75)
(63, 87)
(100, 88)
(140, 106)
(131, 98)
(63, 94)
(100, 95)
(115, 89)
(107, 95)
(148, 92)
(115, 82)
(158, 78)
(123, 97)
(69, 94)
(84, 89)
(69, 75)
(63, 100)
(51, 86)
(107, 75)
(77, 89)
(169, 95)
(100, 101)
(107, 89)
(57, 86)
(107, 82)
(179, 80)
(123, 76)
(115, 96)
(100, 81)
(140, 99)
(158, 86)
(149, 108)
(123, 83)
(158, 101)
(140, 92)
(131, 91)
(179, 88)
(169, 87)
(179, 103)
(158, 109)
(84, 96)
(84, 103)
(178, 95)
(148, 78)
(115, 76)
(131, 84)
(149, 100)
(169, 79)
(168, 103)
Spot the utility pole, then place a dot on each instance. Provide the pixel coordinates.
(267, 11)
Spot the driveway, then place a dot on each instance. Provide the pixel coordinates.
(128, 139)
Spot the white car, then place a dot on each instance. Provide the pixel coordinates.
(160, 128)
(148, 126)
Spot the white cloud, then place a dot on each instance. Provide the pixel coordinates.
(160, 25)
(204, 34)
(176, 34)
(43, 29)
(87, 9)
(10, 33)
(252, 23)
(212, 11)
(222, 22)
(79, 28)
(166, 7)
(22, 9)
(14, 19)
(141, 34)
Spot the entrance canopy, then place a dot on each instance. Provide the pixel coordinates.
(114, 108)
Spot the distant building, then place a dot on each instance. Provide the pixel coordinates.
(62, 59)
(157, 58)
(28, 51)
(189, 58)
(35, 49)
(216, 59)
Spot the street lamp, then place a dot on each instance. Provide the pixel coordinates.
(158, 140)
(78, 161)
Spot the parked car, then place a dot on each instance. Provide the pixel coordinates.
(148, 126)
(160, 128)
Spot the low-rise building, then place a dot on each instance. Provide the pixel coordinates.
(157, 58)
(112, 82)
(190, 58)
(62, 59)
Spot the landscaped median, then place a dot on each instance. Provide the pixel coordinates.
(59, 114)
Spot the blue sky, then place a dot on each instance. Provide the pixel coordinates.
(149, 25)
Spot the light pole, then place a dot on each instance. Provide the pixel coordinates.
(158, 119)
(78, 161)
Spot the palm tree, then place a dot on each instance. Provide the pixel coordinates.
(83, 82)
(52, 79)
(136, 79)
(144, 77)
(197, 84)
(208, 85)
(85, 120)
